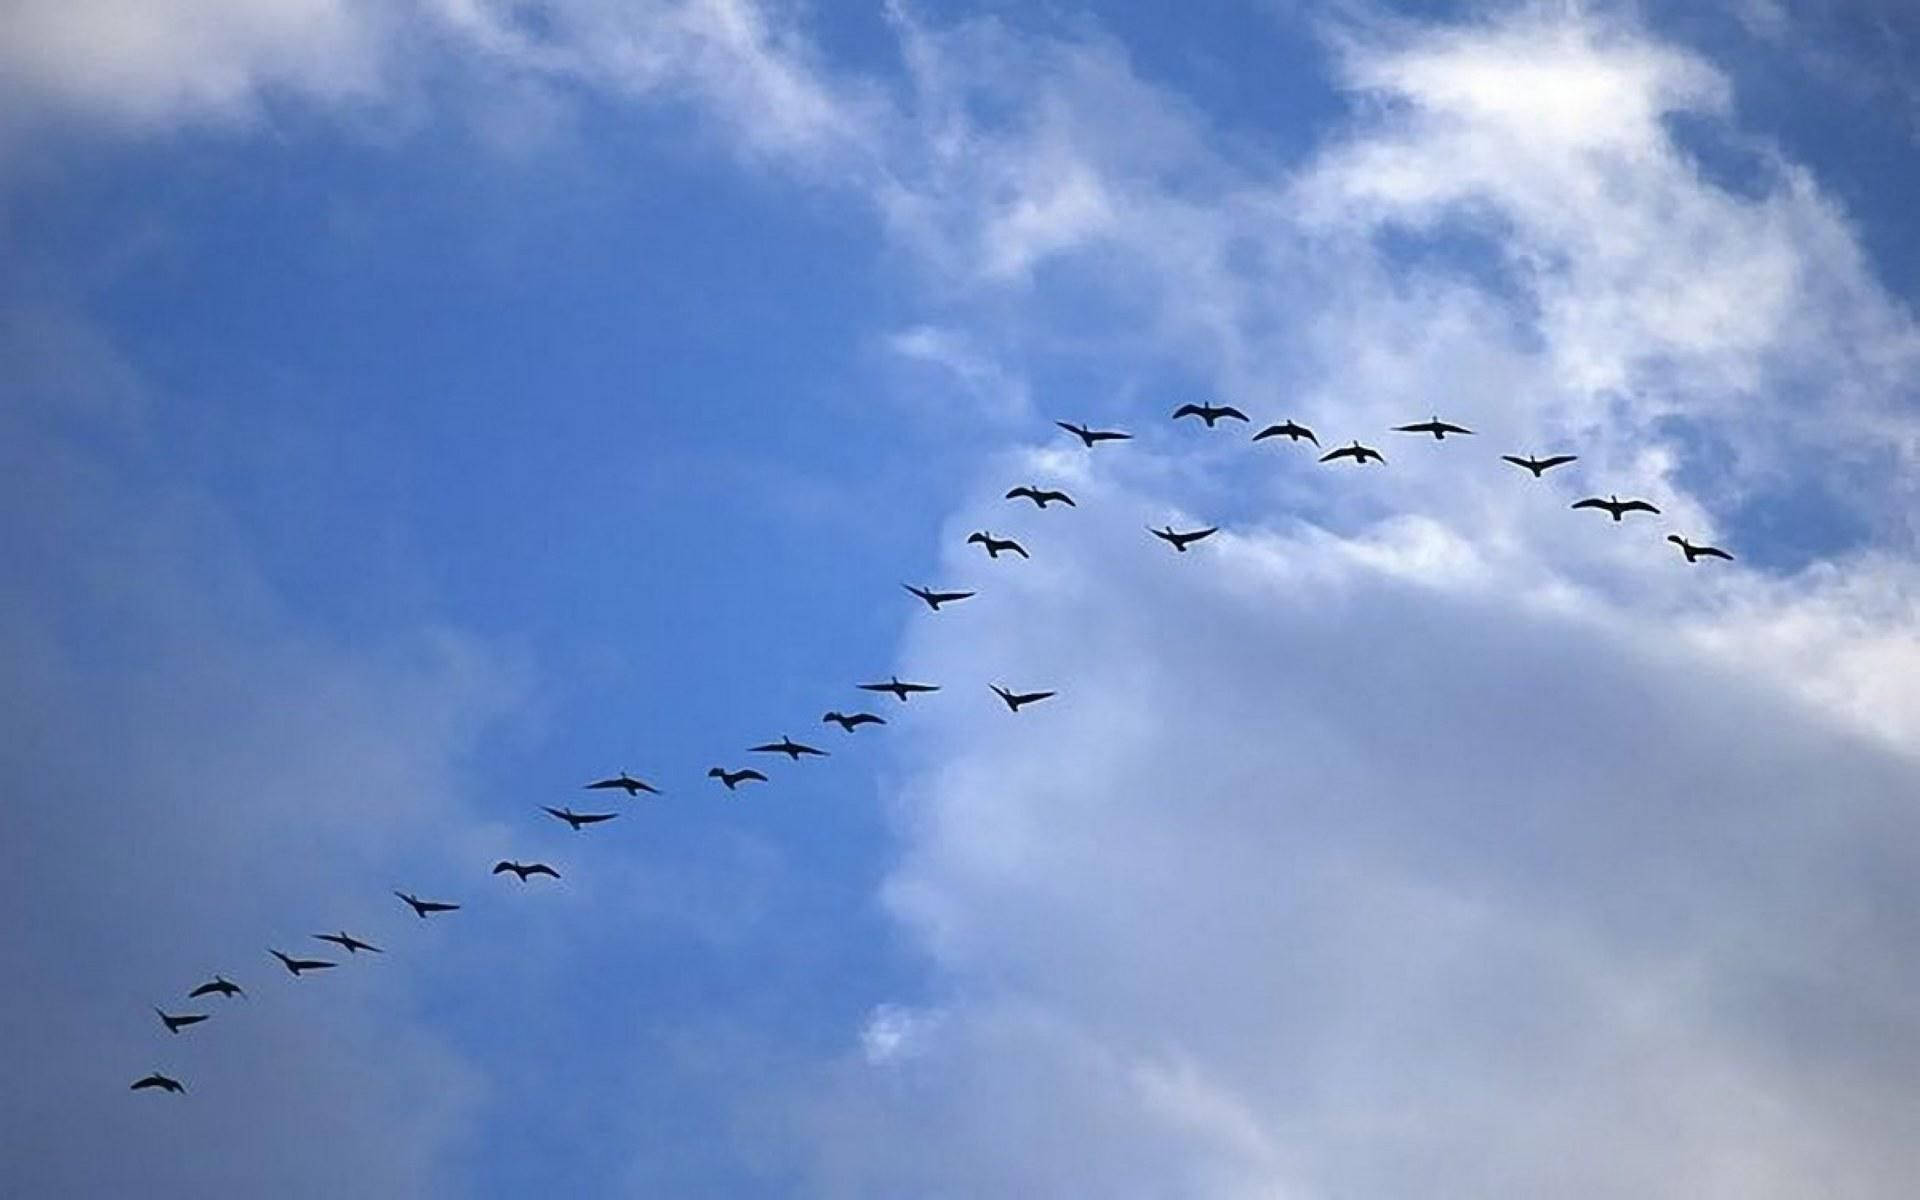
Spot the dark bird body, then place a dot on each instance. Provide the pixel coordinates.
(994, 545)
(936, 599)
(1614, 506)
(1209, 413)
(1540, 466)
(524, 869)
(219, 985)
(899, 690)
(349, 943)
(297, 965)
(625, 783)
(853, 722)
(1438, 428)
(578, 821)
(1088, 437)
(1694, 553)
(1289, 430)
(787, 746)
(165, 1083)
(1015, 699)
(734, 779)
(423, 907)
(1041, 498)
(1180, 541)
(176, 1022)
(1358, 453)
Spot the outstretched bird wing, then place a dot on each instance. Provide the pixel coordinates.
(1189, 410)
(1627, 506)
(1342, 452)
(1592, 502)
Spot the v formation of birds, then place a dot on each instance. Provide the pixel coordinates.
(901, 690)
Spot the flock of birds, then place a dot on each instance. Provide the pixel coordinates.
(901, 690)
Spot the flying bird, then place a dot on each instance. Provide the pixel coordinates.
(995, 545)
(1289, 430)
(734, 779)
(1180, 541)
(851, 723)
(787, 746)
(1615, 506)
(349, 943)
(1539, 466)
(579, 821)
(524, 869)
(219, 985)
(936, 599)
(1089, 436)
(1016, 699)
(175, 1023)
(156, 1080)
(422, 907)
(625, 783)
(1041, 498)
(1209, 412)
(899, 690)
(1694, 552)
(297, 965)
(1358, 453)
(1438, 428)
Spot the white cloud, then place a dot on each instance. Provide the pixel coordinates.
(147, 64)
(1424, 840)
(1427, 839)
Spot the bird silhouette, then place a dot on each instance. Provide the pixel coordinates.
(1694, 552)
(1209, 412)
(787, 746)
(1180, 541)
(899, 690)
(579, 821)
(219, 985)
(1438, 428)
(297, 965)
(1614, 506)
(156, 1080)
(936, 599)
(1089, 436)
(1540, 466)
(995, 545)
(1015, 699)
(1288, 430)
(1040, 498)
(524, 869)
(734, 779)
(175, 1023)
(851, 723)
(422, 907)
(625, 783)
(1358, 453)
(349, 943)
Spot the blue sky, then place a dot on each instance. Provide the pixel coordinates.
(415, 411)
